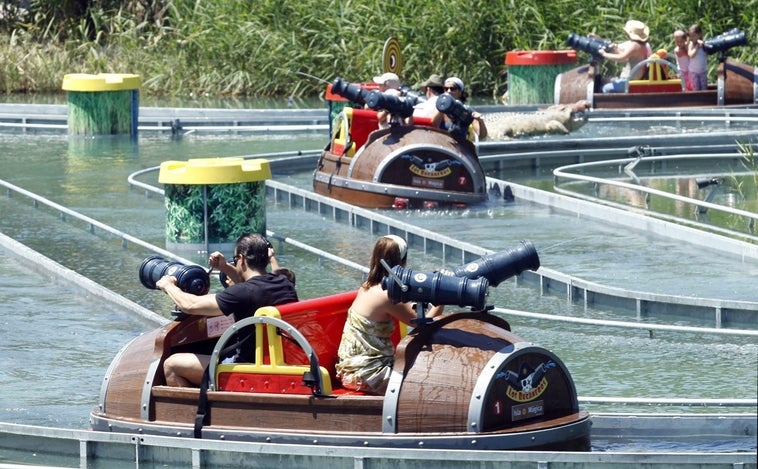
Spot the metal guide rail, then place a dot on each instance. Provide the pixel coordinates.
(80, 448)
(549, 282)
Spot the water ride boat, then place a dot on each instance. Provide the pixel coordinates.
(662, 85)
(402, 164)
(461, 381)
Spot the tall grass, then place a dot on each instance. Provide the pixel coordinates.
(254, 47)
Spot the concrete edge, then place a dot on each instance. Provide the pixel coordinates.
(46, 266)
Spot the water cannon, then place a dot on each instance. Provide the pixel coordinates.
(460, 115)
(702, 183)
(192, 279)
(725, 41)
(469, 284)
(407, 91)
(588, 44)
(353, 92)
(404, 285)
(401, 106)
(502, 265)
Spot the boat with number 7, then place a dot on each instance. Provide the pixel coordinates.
(402, 164)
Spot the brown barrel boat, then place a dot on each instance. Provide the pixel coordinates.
(405, 165)
(462, 381)
(737, 85)
(662, 87)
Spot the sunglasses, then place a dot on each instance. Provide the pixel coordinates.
(451, 88)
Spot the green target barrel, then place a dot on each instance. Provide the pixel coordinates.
(531, 74)
(210, 202)
(103, 104)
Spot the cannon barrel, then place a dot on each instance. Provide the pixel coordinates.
(398, 105)
(189, 278)
(470, 282)
(590, 45)
(460, 115)
(725, 41)
(353, 92)
(502, 265)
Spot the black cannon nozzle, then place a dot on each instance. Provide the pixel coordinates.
(398, 105)
(502, 265)
(189, 278)
(350, 91)
(725, 41)
(590, 45)
(469, 286)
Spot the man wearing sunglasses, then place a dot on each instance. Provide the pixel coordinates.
(253, 287)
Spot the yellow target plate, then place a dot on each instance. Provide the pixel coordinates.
(392, 57)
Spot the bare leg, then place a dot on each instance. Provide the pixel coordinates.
(185, 369)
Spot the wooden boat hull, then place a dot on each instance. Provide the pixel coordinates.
(417, 164)
(464, 381)
(737, 85)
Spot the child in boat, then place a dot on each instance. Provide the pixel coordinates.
(682, 57)
(698, 69)
(366, 353)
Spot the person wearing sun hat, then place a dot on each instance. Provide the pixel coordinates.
(432, 87)
(630, 52)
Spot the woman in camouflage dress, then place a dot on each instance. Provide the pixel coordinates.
(366, 353)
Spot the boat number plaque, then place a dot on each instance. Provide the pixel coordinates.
(528, 410)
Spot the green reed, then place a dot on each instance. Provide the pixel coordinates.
(254, 47)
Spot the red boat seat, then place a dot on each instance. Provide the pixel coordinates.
(270, 373)
(662, 86)
(351, 130)
(320, 320)
(422, 120)
(361, 122)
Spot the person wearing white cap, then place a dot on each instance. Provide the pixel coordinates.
(388, 83)
(630, 52)
(454, 87)
(366, 353)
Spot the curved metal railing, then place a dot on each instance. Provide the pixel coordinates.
(566, 176)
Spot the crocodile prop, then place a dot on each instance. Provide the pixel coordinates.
(555, 119)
